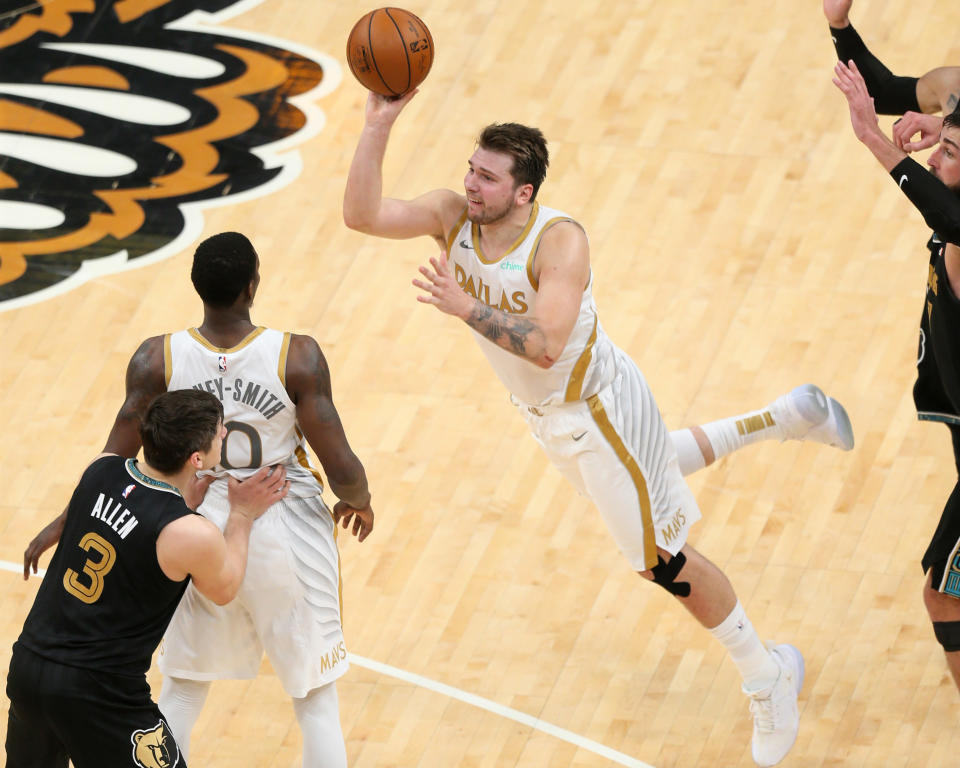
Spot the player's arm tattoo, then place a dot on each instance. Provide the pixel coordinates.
(518, 335)
(952, 100)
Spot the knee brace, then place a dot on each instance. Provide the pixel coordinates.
(948, 634)
(665, 574)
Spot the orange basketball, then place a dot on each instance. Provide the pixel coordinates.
(390, 51)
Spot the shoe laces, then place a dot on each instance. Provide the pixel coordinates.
(764, 711)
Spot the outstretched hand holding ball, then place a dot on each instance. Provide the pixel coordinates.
(390, 51)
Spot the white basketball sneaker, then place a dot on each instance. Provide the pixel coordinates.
(776, 718)
(805, 413)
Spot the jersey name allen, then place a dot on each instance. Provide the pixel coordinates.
(109, 511)
(515, 304)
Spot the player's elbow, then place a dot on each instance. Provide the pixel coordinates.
(223, 594)
(358, 220)
(550, 354)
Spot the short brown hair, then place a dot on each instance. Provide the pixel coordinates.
(176, 424)
(527, 146)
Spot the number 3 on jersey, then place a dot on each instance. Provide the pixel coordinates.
(93, 569)
(254, 450)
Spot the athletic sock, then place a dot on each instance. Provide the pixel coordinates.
(181, 702)
(730, 434)
(738, 636)
(689, 454)
(319, 716)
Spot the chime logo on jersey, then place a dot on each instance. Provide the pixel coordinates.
(155, 748)
(119, 119)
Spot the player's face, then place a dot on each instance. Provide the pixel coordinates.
(211, 457)
(945, 161)
(491, 191)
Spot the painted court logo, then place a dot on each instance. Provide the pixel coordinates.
(120, 119)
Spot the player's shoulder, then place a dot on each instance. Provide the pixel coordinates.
(560, 229)
(304, 359)
(150, 353)
(103, 462)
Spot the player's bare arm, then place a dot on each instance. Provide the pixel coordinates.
(144, 381)
(308, 384)
(193, 546)
(365, 209)
(562, 269)
(939, 90)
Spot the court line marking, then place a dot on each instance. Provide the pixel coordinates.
(473, 700)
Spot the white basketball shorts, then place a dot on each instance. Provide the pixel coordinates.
(288, 604)
(615, 449)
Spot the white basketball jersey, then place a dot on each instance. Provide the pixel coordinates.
(584, 367)
(250, 381)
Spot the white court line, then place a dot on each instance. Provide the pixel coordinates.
(499, 709)
(16, 567)
(467, 698)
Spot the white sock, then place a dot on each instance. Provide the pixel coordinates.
(730, 434)
(180, 703)
(688, 451)
(754, 661)
(319, 716)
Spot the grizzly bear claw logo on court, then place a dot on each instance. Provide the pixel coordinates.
(120, 118)
(155, 748)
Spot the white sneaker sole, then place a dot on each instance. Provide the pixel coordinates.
(829, 419)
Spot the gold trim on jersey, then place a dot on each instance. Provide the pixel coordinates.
(336, 546)
(282, 364)
(200, 339)
(452, 235)
(649, 534)
(167, 360)
(475, 235)
(536, 245)
(304, 462)
(579, 372)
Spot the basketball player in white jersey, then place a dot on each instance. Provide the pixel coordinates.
(518, 273)
(275, 390)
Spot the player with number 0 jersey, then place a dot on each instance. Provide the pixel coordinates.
(276, 395)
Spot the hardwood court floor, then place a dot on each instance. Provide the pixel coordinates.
(743, 242)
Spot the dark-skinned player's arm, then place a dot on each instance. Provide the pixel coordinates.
(145, 380)
(308, 384)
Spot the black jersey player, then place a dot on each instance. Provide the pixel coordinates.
(77, 681)
(936, 194)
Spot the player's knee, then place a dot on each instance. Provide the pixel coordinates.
(947, 634)
(666, 574)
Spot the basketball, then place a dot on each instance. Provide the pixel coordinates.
(390, 51)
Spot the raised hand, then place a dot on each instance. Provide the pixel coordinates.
(837, 12)
(912, 123)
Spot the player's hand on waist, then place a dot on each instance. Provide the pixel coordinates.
(252, 497)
